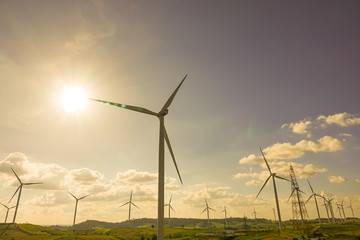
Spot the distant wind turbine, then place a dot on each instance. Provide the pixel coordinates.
(273, 176)
(342, 208)
(327, 209)
(352, 211)
(274, 213)
(339, 208)
(162, 136)
(225, 212)
(76, 204)
(254, 213)
(169, 205)
(130, 203)
(20, 190)
(314, 195)
(7, 212)
(329, 205)
(207, 208)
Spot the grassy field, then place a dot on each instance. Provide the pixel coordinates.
(344, 231)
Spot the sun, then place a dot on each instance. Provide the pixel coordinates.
(73, 99)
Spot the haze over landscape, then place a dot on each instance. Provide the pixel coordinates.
(279, 75)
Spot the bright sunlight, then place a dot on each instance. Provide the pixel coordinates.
(73, 99)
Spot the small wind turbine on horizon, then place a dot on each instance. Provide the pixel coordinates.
(7, 212)
(274, 213)
(207, 208)
(254, 213)
(162, 136)
(20, 190)
(314, 195)
(169, 205)
(326, 208)
(76, 204)
(342, 208)
(130, 203)
(273, 176)
(352, 211)
(225, 212)
(339, 208)
(329, 205)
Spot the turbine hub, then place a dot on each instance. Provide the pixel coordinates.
(163, 113)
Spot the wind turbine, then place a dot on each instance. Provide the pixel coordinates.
(162, 136)
(273, 176)
(207, 208)
(225, 212)
(339, 208)
(274, 213)
(342, 208)
(254, 213)
(19, 195)
(169, 205)
(329, 205)
(352, 211)
(314, 195)
(76, 204)
(327, 210)
(7, 212)
(130, 203)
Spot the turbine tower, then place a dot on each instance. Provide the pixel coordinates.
(7, 212)
(162, 136)
(76, 204)
(169, 205)
(298, 205)
(327, 209)
(352, 210)
(225, 212)
(19, 195)
(273, 176)
(314, 195)
(130, 203)
(207, 208)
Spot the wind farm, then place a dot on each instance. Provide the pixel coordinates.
(254, 106)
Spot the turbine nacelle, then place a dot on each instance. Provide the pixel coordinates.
(163, 113)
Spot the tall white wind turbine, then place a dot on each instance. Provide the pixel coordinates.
(76, 204)
(314, 195)
(130, 203)
(7, 212)
(20, 190)
(169, 205)
(162, 136)
(207, 208)
(254, 213)
(273, 176)
(342, 208)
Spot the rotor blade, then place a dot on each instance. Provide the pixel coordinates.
(16, 175)
(282, 178)
(263, 185)
(84, 196)
(291, 194)
(312, 190)
(135, 205)
(211, 208)
(172, 153)
(15, 193)
(170, 199)
(301, 191)
(13, 206)
(172, 208)
(33, 183)
(72, 195)
(310, 197)
(265, 160)
(131, 195)
(203, 211)
(4, 205)
(129, 107)
(169, 101)
(124, 204)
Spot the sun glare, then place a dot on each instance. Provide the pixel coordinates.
(73, 99)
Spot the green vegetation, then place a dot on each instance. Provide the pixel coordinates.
(215, 230)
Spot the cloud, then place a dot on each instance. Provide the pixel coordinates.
(345, 135)
(254, 183)
(293, 151)
(341, 119)
(86, 176)
(357, 180)
(337, 179)
(301, 127)
(132, 176)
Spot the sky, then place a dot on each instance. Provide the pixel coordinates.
(279, 75)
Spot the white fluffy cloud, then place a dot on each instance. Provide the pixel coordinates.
(301, 127)
(337, 179)
(132, 176)
(86, 176)
(340, 119)
(293, 151)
